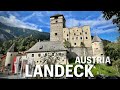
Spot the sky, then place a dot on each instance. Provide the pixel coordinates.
(40, 20)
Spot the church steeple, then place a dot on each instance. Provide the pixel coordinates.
(12, 48)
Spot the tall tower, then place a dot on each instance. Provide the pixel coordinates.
(57, 23)
(10, 55)
(97, 46)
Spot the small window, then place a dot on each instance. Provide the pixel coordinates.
(55, 34)
(86, 37)
(45, 54)
(74, 34)
(67, 34)
(96, 48)
(74, 43)
(85, 32)
(80, 33)
(67, 38)
(60, 54)
(38, 55)
(101, 54)
(64, 31)
(77, 30)
(11, 54)
(32, 55)
(76, 38)
(56, 21)
(72, 38)
(81, 43)
(37, 61)
(52, 54)
(80, 37)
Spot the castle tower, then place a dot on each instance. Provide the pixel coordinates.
(10, 55)
(97, 46)
(57, 23)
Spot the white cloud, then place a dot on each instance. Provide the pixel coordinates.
(100, 23)
(40, 30)
(13, 21)
(72, 22)
(101, 31)
(34, 14)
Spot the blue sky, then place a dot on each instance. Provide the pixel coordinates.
(40, 20)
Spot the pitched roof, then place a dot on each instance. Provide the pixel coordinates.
(96, 39)
(56, 15)
(47, 46)
(11, 49)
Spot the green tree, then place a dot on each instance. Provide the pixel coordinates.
(67, 44)
(116, 64)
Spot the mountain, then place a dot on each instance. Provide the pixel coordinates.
(5, 36)
(8, 32)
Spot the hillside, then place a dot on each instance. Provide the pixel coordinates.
(5, 35)
(8, 32)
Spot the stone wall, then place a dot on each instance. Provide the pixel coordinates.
(73, 52)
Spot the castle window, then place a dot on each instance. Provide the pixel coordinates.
(67, 34)
(101, 54)
(55, 34)
(38, 55)
(64, 31)
(77, 38)
(11, 54)
(85, 32)
(77, 30)
(80, 33)
(32, 55)
(72, 38)
(74, 43)
(56, 21)
(52, 54)
(60, 54)
(74, 34)
(80, 37)
(86, 37)
(67, 38)
(45, 54)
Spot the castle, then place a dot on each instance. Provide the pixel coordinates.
(54, 51)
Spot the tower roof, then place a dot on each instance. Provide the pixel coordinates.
(11, 49)
(57, 15)
(96, 39)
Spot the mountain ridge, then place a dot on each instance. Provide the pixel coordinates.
(13, 32)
